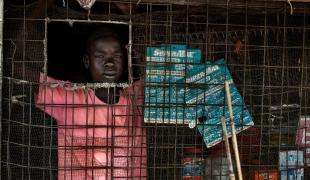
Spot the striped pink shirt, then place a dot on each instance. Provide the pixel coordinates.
(97, 140)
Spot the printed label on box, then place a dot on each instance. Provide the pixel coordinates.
(173, 53)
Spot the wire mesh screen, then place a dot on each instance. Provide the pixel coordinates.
(78, 101)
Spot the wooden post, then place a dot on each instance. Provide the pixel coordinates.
(233, 131)
(228, 154)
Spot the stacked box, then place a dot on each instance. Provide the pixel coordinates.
(165, 83)
(247, 139)
(161, 94)
(290, 165)
(303, 132)
(217, 168)
(303, 137)
(292, 174)
(170, 114)
(212, 96)
(266, 174)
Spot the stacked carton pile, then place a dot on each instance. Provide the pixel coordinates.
(179, 89)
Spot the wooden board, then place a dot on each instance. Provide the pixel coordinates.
(298, 6)
(214, 2)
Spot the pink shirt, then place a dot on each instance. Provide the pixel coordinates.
(97, 140)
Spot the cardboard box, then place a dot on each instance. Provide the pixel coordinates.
(303, 137)
(170, 114)
(248, 143)
(217, 168)
(291, 159)
(293, 174)
(165, 84)
(267, 174)
(214, 98)
(303, 132)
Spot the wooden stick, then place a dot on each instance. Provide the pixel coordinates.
(228, 154)
(233, 132)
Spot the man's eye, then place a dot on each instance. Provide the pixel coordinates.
(117, 57)
(100, 56)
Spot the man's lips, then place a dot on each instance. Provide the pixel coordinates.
(109, 73)
(109, 70)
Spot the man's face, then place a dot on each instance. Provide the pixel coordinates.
(105, 60)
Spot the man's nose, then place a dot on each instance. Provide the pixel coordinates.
(109, 64)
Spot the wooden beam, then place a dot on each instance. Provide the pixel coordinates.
(305, 1)
(200, 2)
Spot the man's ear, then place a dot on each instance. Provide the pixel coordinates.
(86, 61)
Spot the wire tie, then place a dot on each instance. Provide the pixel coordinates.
(291, 6)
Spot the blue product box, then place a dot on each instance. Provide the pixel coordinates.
(159, 94)
(170, 114)
(213, 97)
(291, 159)
(293, 174)
(192, 169)
(165, 83)
(164, 73)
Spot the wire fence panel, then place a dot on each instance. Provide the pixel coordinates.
(112, 89)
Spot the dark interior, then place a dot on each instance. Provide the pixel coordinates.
(66, 47)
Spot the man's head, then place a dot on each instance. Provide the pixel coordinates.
(104, 58)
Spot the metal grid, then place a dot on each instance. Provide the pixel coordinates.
(271, 72)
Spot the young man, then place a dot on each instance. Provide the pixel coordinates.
(100, 133)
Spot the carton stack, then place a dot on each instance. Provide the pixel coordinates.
(179, 89)
(303, 137)
(291, 165)
(166, 67)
